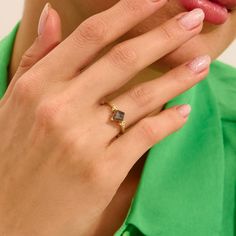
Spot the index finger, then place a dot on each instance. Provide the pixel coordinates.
(94, 34)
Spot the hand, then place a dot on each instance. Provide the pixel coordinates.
(48, 38)
(61, 163)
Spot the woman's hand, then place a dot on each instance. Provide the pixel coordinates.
(49, 36)
(61, 163)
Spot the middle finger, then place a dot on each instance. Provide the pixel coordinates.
(126, 59)
(93, 34)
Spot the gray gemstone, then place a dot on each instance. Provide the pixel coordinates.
(118, 115)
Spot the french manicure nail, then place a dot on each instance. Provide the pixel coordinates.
(184, 110)
(200, 64)
(192, 19)
(43, 18)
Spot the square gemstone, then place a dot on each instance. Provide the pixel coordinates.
(118, 115)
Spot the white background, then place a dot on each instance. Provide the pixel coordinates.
(10, 13)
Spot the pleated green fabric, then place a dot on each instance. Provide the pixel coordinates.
(188, 183)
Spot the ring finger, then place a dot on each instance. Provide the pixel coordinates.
(144, 98)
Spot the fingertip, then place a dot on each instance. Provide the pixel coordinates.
(200, 64)
(53, 28)
(49, 28)
(184, 110)
(49, 36)
(43, 19)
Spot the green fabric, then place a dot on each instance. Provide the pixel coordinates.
(6, 47)
(188, 183)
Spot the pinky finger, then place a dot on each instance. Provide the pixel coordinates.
(147, 132)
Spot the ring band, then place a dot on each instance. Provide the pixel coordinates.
(117, 116)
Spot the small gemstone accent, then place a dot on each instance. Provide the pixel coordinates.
(118, 115)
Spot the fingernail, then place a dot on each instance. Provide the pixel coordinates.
(192, 19)
(184, 110)
(200, 64)
(43, 18)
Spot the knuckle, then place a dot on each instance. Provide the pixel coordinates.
(133, 6)
(174, 119)
(141, 95)
(73, 146)
(93, 30)
(77, 141)
(96, 173)
(48, 114)
(166, 32)
(68, 143)
(146, 131)
(182, 77)
(123, 56)
(172, 116)
(26, 59)
(23, 90)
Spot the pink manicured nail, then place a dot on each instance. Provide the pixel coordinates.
(200, 64)
(184, 110)
(192, 19)
(43, 18)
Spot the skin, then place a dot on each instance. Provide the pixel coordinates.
(51, 158)
(208, 42)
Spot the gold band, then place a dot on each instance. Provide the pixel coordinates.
(117, 116)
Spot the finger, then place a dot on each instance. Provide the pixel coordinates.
(129, 57)
(49, 35)
(141, 137)
(144, 98)
(82, 46)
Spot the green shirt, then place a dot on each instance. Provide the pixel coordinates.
(188, 183)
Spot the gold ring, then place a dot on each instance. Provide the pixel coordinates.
(117, 116)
